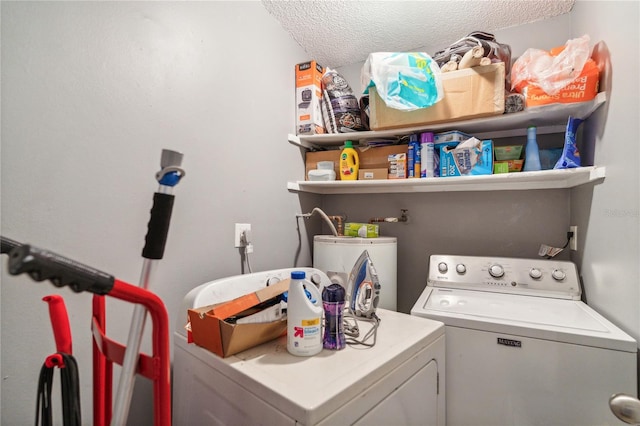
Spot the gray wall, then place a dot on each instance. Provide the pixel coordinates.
(91, 93)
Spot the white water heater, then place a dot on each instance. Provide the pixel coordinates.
(336, 256)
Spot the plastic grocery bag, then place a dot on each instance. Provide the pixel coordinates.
(551, 71)
(404, 80)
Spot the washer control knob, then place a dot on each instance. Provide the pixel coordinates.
(461, 269)
(558, 275)
(442, 267)
(496, 271)
(316, 279)
(535, 273)
(272, 281)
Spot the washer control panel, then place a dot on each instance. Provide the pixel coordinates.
(534, 277)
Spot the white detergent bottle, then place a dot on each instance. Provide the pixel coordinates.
(304, 316)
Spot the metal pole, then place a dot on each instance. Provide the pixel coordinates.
(169, 176)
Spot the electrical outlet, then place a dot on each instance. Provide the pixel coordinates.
(573, 243)
(240, 228)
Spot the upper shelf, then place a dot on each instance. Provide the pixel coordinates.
(548, 119)
(546, 179)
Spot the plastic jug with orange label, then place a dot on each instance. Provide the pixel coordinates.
(349, 162)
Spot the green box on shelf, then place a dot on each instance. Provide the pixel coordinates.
(500, 167)
(363, 230)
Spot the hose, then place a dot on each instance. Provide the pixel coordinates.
(325, 217)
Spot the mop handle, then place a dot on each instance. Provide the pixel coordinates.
(158, 227)
(155, 240)
(43, 265)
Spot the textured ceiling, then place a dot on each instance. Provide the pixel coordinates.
(338, 33)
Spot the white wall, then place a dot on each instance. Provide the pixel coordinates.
(610, 262)
(91, 94)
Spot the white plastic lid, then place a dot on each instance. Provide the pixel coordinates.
(325, 165)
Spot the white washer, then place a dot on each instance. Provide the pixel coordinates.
(399, 381)
(522, 349)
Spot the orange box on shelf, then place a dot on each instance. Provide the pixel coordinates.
(308, 94)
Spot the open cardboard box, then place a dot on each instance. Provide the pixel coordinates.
(210, 330)
(372, 158)
(468, 93)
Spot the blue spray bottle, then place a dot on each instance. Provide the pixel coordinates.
(532, 152)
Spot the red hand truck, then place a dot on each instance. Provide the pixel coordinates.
(43, 265)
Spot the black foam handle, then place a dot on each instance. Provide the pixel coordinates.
(8, 244)
(158, 227)
(44, 265)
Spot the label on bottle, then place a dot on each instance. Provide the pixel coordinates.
(306, 334)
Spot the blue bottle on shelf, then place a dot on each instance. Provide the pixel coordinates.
(532, 152)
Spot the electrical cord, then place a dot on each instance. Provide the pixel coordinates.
(70, 386)
(352, 330)
(248, 248)
(569, 237)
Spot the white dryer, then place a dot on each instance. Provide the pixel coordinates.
(522, 349)
(399, 381)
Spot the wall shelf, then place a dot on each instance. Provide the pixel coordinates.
(546, 179)
(548, 119)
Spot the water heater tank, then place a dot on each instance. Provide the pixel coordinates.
(336, 256)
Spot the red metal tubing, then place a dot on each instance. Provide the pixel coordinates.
(160, 362)
(102, 371)
(59, 323)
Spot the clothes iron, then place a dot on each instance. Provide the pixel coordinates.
(363, 287)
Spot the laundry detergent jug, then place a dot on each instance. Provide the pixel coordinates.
(349, 162)
(304, 316)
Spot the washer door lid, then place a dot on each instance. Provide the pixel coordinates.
(539, 311)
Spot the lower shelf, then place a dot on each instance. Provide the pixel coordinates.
(546, 179)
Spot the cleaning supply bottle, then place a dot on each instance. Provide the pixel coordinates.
(427, 151)
(414, 157)
(349, 162)
(532, 153)
(333, 299)
(304, 317)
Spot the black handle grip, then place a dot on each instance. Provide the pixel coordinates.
(44, 265)
(8, 244)
(158, 227)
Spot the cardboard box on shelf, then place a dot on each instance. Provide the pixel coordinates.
(210, 329)
(372, 174)
(308, 94)
(397, 166)
(372, 158)
(507, 166)
(468, 93)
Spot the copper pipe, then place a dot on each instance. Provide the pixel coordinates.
(339, 220)
(403, 218)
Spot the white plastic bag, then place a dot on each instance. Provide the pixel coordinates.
(404, 80)
(551, 73)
